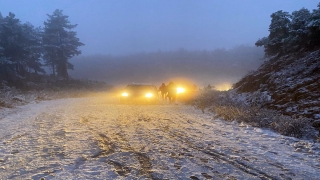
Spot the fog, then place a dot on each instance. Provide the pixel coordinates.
(207, 42)
(219, 67)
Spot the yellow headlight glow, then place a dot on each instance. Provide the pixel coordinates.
(180, 90)
(149, 95)
(124, 94)
(223, 86)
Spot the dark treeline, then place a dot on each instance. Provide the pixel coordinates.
(25, 50)
(292, 33)
(204, 67)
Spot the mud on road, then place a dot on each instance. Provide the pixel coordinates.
(98, 138)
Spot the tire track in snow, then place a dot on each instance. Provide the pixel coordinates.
(106, 146)
(143, 159)
(165, 130)
(180, 137)
(116, 144)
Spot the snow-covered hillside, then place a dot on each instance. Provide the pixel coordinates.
(292, 82)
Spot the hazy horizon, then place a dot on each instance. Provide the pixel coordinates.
(219, 67)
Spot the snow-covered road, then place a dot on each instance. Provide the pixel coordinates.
(97, 138)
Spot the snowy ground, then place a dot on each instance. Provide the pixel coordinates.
(97, 138)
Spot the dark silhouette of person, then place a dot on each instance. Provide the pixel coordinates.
(163, 91)
(209, 87)
(172, 92)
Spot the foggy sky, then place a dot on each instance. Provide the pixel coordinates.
(129, 26)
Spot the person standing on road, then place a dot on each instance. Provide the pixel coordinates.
(163, 91)
(209, 87)
(172, 92)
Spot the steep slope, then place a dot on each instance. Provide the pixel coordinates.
(292, 82)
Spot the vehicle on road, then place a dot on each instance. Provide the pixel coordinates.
(140, 93)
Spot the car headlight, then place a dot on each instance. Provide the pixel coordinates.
(125, 94)
(149, 95)
(180, 90)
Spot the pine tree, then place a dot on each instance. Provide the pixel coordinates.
(20, 50)
(279, 30)
(33, 47)
(314, 28)
(3, 60)
(298, 31)
(60, 43)
(12, 49)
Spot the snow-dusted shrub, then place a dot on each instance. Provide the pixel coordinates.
(260, 99)
(230, 107)
(230, 113)
(291, 126)
(206, 99)
(5, 105)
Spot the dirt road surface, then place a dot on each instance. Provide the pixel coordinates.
(98, 138)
